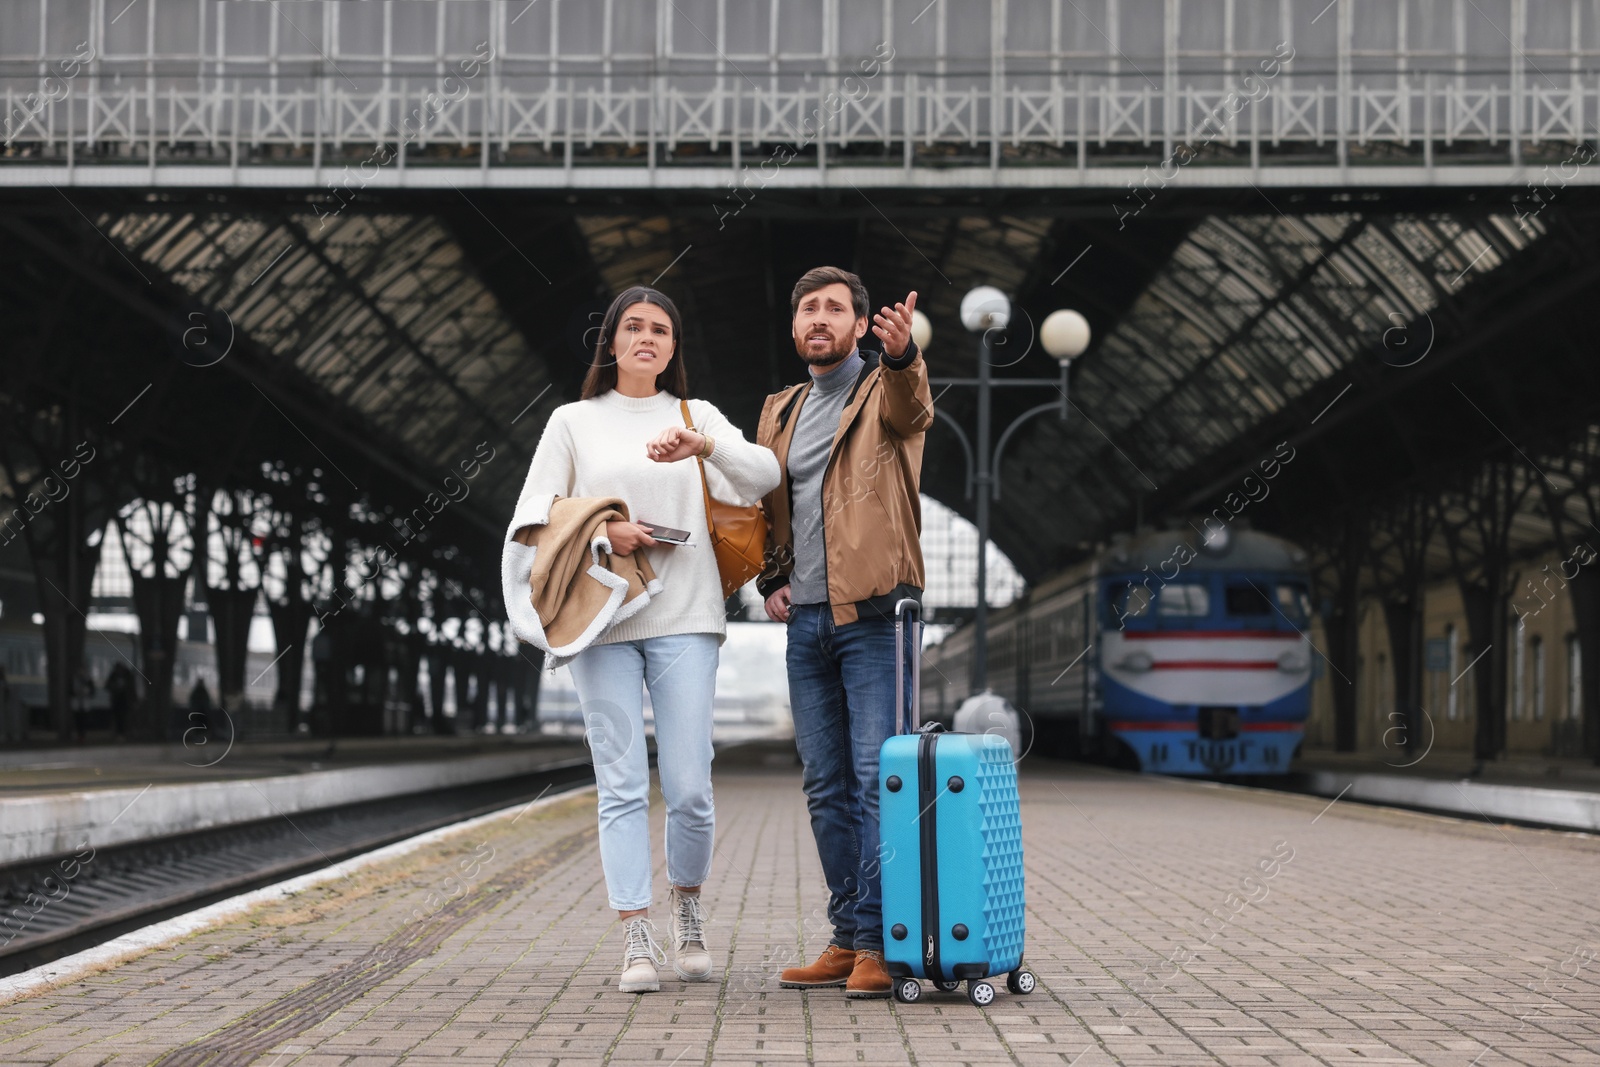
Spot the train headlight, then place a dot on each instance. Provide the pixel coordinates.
(1293, 660)
(1136, 661)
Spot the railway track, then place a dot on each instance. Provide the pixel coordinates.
(45, 915)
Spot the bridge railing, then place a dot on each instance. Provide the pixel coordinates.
(1082, 114)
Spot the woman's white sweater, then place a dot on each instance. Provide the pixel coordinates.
(596, 447)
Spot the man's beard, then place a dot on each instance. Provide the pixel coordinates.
(837, 353)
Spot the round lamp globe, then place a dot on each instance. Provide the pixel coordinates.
(985, 308)
(921, 329)
(1064, 334)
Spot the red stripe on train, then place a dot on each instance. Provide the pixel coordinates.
(1244, 727)
(1214, 665)
(1206, 635)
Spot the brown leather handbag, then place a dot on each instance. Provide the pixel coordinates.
(738, 531)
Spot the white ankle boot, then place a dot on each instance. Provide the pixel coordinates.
(690, 958)
(640, 957)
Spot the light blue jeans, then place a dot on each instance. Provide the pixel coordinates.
(680, 671)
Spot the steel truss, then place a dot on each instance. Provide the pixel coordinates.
(1228, 91)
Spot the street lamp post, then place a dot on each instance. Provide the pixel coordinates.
(1065, 335)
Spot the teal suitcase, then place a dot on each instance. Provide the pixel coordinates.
(951, 833)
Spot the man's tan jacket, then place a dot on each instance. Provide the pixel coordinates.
(872, 515)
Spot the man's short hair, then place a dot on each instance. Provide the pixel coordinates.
(822, 277)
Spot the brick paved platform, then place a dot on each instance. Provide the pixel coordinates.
(1171, 923)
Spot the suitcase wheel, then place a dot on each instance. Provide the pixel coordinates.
(908, 991)
(980, 993)
(1020, 982)
(950, 986)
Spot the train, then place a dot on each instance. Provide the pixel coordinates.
(23, 656)
(1174, 651)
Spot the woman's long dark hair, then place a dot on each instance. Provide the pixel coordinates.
(602, 376)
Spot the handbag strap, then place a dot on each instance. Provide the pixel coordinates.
(705, 488)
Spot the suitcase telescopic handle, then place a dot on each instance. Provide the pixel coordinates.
(907, 618)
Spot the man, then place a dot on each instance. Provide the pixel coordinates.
(119, 684)
(10, 727)
(842, 549)
(82, 693)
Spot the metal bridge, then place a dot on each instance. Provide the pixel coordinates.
(803, 94)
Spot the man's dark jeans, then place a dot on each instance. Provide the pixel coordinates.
(841, 692)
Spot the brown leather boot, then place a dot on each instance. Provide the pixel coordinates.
(831, 969)
(870, 978)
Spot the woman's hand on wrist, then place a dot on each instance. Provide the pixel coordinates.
(675, 443)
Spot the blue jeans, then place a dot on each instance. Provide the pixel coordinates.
(841, 692)
(680, 671)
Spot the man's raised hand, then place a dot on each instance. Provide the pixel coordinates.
(893, 326)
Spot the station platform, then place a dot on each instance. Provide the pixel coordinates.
(1543, 771)
(74, 767)
(1541, 791)
(1170, 923)
(51, 799)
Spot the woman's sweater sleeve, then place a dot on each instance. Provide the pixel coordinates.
(550, 475)
(751, 469)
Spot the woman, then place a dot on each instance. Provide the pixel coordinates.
(626, 438)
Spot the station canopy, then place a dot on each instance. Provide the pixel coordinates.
(430, 322)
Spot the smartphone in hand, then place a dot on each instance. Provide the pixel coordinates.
(666, 534)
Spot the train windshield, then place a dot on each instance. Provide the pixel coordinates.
(1267, 600)
(1189, 600)
(1247, 600)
